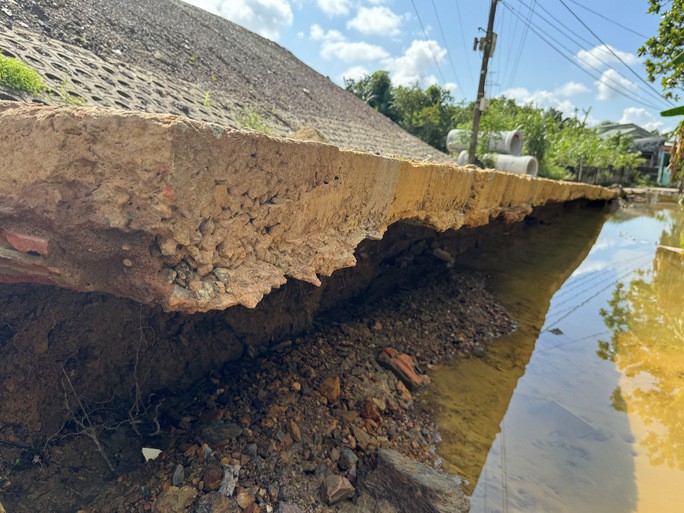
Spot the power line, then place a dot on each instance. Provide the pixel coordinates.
(465, 51)
(451, 62)
(522, 42)
(608, 19)
(560, 23)
(434, 58)
(507, 69)
(610, 49)
(573, 62)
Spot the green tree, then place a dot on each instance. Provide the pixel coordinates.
(661, 50)
(376, 91)
(428, 114)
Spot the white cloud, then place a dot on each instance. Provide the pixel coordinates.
(540, 98)
(571, 89)
(600, 56)
(334, 45)
(640, 116)
(265, 17)
(451, 86)
(334, 7)
(355, 73)
(379, 20)
(416, 64)
(611, 82)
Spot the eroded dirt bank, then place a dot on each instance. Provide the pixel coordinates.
(197, 217)
(84, 364)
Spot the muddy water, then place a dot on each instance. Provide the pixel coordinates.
(582, 408)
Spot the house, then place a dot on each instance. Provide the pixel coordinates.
(647, 143)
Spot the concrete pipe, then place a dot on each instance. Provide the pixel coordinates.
(510, 142)
(526, 165)
(457, 140)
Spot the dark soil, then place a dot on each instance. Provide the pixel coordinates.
(271, 416)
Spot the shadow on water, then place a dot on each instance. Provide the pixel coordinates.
(526, 444)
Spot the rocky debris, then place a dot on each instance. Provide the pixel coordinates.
(230, 479)
(176, 500)
(213, 477)
(215, 503)
(286, 507)
(330, 388)
(336, 488)
(413, 486)
(348, 459)
(267, 414)
(404, 367)
(178, 475)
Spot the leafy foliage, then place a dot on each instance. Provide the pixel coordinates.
(663, 49)
(428, 114)
(17, 75)
(558, 142)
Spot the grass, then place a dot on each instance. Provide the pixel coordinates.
(252, 120)
(68, 97)
(19, 76)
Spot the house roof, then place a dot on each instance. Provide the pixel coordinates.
(628, 129)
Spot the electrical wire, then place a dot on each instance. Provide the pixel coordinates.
(574, 63)
(522, 42)
(573, 36)
(608, 19)
(513, 38)
(610, 49)
(465, 47)
(446, 46)
(434, 58)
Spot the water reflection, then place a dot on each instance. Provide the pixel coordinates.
(539, 423)
(646, 317)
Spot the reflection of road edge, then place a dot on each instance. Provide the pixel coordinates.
(516, 348)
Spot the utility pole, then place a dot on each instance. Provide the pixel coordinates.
(489, 37)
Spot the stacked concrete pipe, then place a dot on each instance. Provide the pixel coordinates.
(506, 147)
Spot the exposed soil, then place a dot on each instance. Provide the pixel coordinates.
(78, 365)
(274, 416)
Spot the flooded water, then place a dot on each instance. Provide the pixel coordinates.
(582, 408)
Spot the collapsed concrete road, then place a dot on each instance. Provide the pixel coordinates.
(196, 217)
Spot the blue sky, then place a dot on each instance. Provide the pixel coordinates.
(341, 38)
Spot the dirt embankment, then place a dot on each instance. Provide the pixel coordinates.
(197, 217)
(313, 406)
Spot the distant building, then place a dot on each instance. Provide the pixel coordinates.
(643, 141)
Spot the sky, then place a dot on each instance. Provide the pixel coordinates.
(431, 42)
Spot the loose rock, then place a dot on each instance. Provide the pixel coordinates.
(287, 507)
(176, 500)
(336, 488)
(230, 479)
(215, 503)
(178, 475)
(330, 388)
(403, 366)
(413, 486)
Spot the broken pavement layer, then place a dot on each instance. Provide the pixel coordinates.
(195, 217)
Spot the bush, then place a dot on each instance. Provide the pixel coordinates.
(17, 75)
